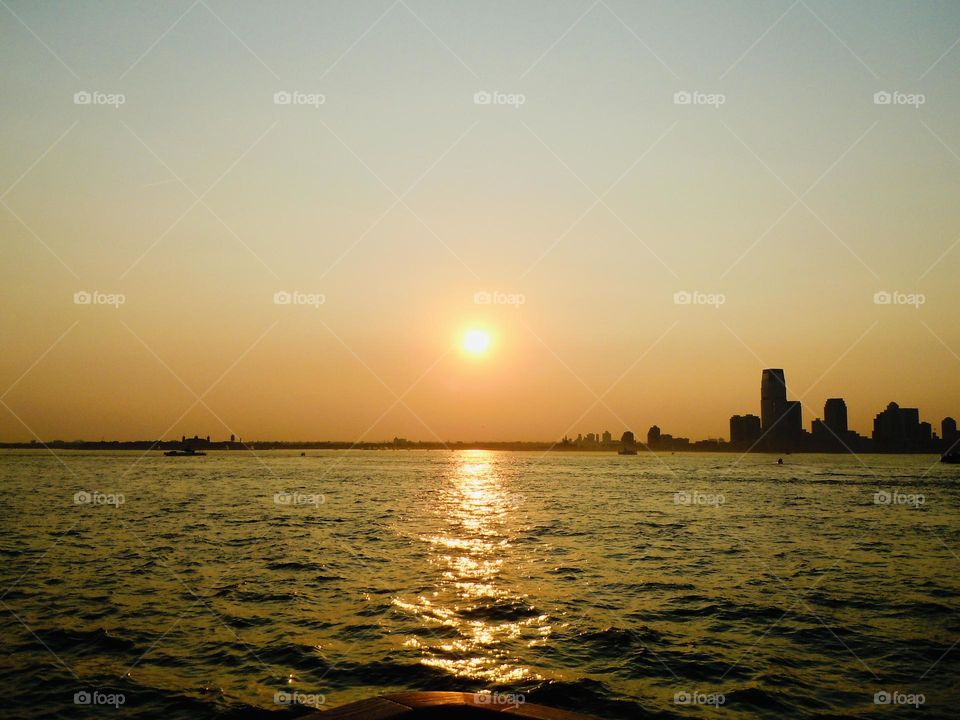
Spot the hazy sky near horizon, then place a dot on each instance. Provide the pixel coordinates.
(597, 196)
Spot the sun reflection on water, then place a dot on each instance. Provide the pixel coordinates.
(476, 522)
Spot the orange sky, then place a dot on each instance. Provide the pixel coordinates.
(646, 250)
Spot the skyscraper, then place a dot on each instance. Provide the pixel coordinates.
(773, 400)
(744, 430)
(653, 436)
(792, 424)
(835, 416)
(948, 429)
(897, 428)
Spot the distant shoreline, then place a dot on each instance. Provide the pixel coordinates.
(531, 446)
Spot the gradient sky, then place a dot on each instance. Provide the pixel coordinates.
(399, 198)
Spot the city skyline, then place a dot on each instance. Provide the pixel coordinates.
(778, 428)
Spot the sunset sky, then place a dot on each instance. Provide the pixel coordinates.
(587, 189)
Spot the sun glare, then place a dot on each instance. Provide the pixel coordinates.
(476, 342)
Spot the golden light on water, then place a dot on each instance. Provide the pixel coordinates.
(470, 593)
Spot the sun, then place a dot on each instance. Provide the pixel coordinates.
(476, 342)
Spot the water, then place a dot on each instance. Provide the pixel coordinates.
(581, 581)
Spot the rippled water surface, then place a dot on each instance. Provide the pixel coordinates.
(581, 581)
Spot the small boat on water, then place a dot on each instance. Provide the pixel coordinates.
(444, 706)
(187, 452)
(952, 458)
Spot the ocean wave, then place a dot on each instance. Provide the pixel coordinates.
(84, 641)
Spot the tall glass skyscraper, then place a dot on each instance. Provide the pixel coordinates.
(773, 400)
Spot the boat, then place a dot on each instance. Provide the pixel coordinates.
(188, 452)
(444, 706)
(627, 451)
(952, 458)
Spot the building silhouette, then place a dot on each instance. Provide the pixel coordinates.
(835, 416)
(773, 399)
(781, 420)
(818, 429)
(898, 428)
(194, 441)
(948, 430)
(653, 436)
(792, 422)
(833, 434)
(745, 430)
(657, 440)
(607, 437)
